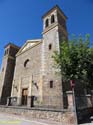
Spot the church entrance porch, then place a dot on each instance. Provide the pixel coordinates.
(24, 96)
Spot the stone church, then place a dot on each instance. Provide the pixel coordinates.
(28, 76)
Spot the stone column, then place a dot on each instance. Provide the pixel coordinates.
(19, 93)
(70, 99)
(29, 93)
(12, 93)
(89, 101)
(41, 89)
(72, 106)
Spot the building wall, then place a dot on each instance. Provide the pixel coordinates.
(52, 34)
(34, 67)
(24, 76)
(8, 65)
(4, 64)
(40, 67)
(0, 83)
(52, 96)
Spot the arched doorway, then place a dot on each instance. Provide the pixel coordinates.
(24, 96)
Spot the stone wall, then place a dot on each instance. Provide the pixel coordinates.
(51, 37)
(67, 117)
(32, 67)
(8, 65)
(0, 83)
(27, 76)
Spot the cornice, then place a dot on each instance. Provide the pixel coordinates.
(28, 49)
(10, 57)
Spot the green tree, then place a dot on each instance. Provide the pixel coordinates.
(75, 59)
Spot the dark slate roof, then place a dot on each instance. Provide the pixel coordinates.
(55, 7)
(11, 44)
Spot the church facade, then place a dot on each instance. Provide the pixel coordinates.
(27, 74)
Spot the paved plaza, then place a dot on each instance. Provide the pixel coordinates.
(9, 119)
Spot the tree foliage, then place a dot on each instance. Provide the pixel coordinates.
(75, 59)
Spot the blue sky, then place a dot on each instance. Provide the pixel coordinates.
(21, 19)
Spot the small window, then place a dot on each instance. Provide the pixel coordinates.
(2, 69)
(52, 19)
(25, 63)
(50, 46)
(5, 52)
(47, 23)
(51, 84)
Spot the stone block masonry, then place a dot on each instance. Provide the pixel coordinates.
(65, 117)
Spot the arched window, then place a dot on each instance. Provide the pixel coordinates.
(6, 51)
(26, 62)
(47, 23)
(52, 19)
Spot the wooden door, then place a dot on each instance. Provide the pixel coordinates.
(24, 96)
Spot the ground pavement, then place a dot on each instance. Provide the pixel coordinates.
(9, 119)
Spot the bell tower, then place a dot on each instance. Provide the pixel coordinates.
(54, 30)
(7, 71)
